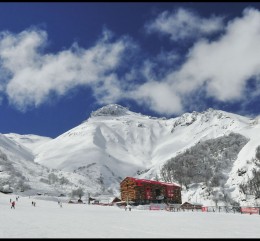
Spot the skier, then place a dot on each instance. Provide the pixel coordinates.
(13, 205)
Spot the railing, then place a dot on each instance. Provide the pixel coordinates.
(233, 209)
(219, 209)
(216, 209)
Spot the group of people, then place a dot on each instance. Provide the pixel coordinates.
(33, 203)
(13, 202)
(128, 207)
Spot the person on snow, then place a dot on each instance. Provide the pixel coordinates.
(128, 207)
(13, 205)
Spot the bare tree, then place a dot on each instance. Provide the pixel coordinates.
(257, 154)
(78, 192)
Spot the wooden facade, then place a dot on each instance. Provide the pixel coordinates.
(142, 191)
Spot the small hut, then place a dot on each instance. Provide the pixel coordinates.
(115, 200)
(191, 205)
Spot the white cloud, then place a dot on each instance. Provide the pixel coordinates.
(20, 51)
(224, 66)
(33, 76)
(220, 68)
(160, 97)
(108, 90)
(183, 24)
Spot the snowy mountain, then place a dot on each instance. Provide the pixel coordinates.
(115, 142)
(19, 172)
(31, 142)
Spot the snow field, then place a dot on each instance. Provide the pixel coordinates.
(49, 220)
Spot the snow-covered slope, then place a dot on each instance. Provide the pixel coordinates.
(116, 142)
(31, 142)
(19, 172)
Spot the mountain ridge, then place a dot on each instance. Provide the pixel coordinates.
(115, 142)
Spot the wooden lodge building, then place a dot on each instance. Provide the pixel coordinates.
(142, 191)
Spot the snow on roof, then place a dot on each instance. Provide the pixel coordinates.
(106, 198)
(152, 181)
(193, 203)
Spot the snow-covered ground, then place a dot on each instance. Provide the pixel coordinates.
(48, 220)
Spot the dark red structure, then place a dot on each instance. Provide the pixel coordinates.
(142, 191)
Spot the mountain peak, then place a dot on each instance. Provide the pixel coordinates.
(110, 110)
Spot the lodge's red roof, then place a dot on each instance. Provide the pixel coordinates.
(153, 182)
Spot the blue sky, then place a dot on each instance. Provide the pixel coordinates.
(60, 61)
